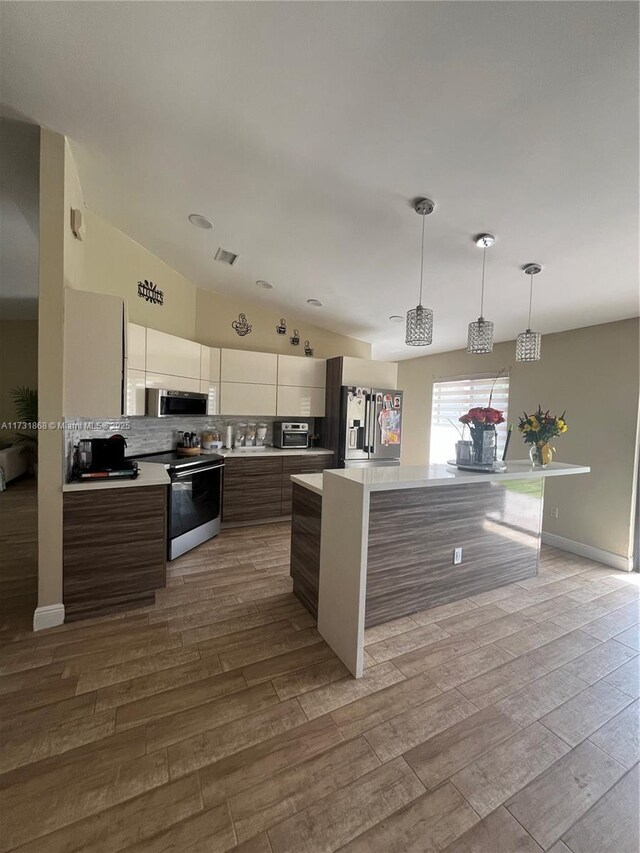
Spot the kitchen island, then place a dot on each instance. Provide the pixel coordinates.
(376, 544)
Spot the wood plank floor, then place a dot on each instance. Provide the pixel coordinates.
(219, 720)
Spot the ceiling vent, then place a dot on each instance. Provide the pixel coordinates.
(226, 257)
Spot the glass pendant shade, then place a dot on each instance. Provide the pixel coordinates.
(480, 337)
(419, 327)
(529, 346)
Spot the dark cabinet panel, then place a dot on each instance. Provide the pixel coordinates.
(300, 465)
(114, 549)
(306, 526)
(252, 489)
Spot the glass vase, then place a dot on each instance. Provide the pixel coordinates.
(484, 444)
(541, 454)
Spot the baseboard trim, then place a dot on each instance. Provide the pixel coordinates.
(608, 558)
(48, 616)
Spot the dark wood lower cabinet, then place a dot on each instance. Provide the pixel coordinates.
(306, 525)
(114, 549)
(251, 489)
(300, 465)
(256, 489)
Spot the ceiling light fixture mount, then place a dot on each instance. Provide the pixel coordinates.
(265, 285)
(315, 303)
(480, 334)
(396, 318)
(419, 332)
(529, 343)
(200, 221)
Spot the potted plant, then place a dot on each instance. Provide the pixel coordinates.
(25, 401)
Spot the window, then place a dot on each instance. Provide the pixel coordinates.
(451, 399)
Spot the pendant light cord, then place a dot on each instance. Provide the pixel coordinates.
(421, 260)
(484, 260)
(530, 299)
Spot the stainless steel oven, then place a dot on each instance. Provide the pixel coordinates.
(195, 499)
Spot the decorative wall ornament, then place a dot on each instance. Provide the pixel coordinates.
(148, 291)
(241, 326)
(308, 349)
(295, 338)
(281, 328)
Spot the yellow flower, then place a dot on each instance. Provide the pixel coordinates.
(526, 428)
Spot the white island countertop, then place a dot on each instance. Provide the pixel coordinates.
(151, 474)
(387, 478)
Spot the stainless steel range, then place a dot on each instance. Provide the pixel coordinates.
(195, 499)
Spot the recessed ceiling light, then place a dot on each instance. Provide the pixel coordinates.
(396, 318)
(226, 257)
(264, 285)
(315, 302)
(200, 221)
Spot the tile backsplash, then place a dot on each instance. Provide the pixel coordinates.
(153, 435)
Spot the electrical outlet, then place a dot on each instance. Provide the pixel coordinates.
(457, 556)
(554, 512)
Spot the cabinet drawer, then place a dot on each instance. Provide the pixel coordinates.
(259, 368)
(252, 489)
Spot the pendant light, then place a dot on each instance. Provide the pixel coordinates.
(420, 319)
(480, 336)
(528, 343)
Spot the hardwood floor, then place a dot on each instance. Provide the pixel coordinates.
(218, 719)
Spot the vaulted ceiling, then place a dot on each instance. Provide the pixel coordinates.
(303, 131)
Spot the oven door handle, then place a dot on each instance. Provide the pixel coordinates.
(194, 471)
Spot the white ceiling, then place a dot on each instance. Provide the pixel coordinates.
(302, 130)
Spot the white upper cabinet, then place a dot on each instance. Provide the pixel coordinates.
(209, 364)
(369, 374)
(93, 354)
(135, 392)
(258, 368)
(136, 346)
(301, 371)
(245, 398)
(172, 383)
(170, 355)
(296, 401)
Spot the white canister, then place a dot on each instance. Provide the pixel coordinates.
(228, 442)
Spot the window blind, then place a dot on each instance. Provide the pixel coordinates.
(451, 399)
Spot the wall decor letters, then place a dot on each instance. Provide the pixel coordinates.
(148, 291)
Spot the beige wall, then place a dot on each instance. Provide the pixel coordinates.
(114, 264)
(18, 363)
(215, 313)
(594, 374)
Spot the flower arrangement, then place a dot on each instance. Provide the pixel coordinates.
(537, 430)
(541, 426)
(481, 417)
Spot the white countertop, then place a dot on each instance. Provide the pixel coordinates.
(251, 453)
(313, 482)
(423, 476)
(151, 474)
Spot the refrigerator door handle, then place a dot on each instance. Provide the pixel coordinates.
(371, 424)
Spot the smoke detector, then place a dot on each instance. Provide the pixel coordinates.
(200, 221)
(226, 257)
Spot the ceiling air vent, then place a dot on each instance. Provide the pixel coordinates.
(226, 257)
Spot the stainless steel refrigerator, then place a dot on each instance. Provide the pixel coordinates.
(370, 427)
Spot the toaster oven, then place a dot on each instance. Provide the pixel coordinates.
(287, 434)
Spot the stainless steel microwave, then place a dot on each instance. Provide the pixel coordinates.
(162, 403)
